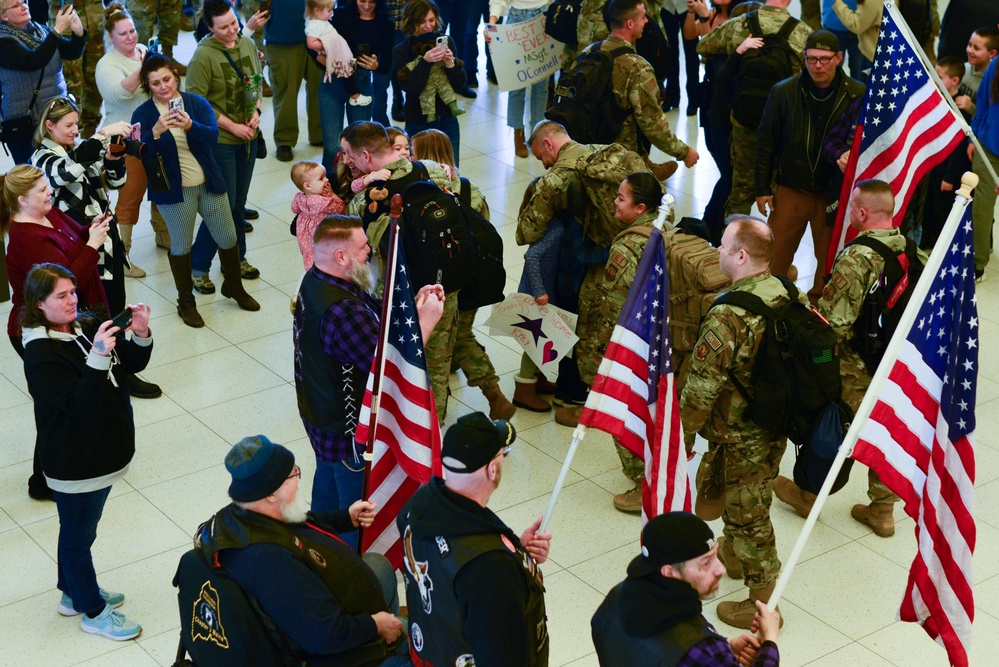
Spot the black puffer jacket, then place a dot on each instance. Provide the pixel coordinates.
(790, 139)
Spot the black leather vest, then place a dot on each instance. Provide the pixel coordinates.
(430, 567)
(329, 394)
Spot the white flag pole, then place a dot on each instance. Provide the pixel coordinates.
(905, 324)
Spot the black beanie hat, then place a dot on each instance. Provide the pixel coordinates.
(258, 468)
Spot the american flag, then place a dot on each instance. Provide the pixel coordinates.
(920, 438)
(407, 447)
(634, 397)
(906, 126)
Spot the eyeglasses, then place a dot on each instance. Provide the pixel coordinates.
(295, 472)
(814, 60)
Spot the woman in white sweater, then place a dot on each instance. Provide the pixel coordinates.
(118, 80)
(517, 11)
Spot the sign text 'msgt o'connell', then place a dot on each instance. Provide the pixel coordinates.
(523, 53)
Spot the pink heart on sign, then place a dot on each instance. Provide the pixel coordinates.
(548, 353)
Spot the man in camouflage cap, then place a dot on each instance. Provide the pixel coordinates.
(734, 37)
(747, 456)
(857, 267)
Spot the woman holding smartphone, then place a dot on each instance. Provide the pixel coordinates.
(369, 32)
(180, 132)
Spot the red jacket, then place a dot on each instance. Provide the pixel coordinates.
(65, 244)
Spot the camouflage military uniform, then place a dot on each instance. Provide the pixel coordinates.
(550, 194)
(165, 13)
(591, 26)
(636, 89)
(724, 40)
(711, 405)
(440, 346)
(81, 75)
(853, 274)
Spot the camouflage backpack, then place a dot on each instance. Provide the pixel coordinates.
(694, 281)
(600, 174)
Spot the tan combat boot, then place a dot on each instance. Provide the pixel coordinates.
(726, 554)
(740, 614)
(499, 407)
(794, 495)
(525, 396)
(630, 501)
(876, 515)
(519, 145)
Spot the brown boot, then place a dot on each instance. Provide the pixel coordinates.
(726, 554)
(519, 145)
(159, 226)
(187, 307)
(876, 515)
(132, 270)
(177, 65)
(266, 90)
(499, 407)
(232, 281)
(630, 501)
(543, 386)
(525, 396)
(569, 416)
(663, 170)
(794, 495)
(740, 614)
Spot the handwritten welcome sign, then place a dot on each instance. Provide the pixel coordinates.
(522, 53)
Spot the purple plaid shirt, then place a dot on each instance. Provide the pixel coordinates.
(716, 652)
(349, 336)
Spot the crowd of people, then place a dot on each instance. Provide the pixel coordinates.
(778, 108)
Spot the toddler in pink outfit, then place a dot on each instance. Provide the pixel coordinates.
(312, 204)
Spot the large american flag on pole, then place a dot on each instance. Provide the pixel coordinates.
(407, 447)
(920, 438)
(634, 397)
(906, 127)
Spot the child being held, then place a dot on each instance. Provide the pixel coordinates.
(321, 36)
(983, 45)
(437, 82)
(314, 201)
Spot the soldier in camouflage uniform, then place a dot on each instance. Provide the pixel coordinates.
(166, 14)
(734, 37)
(710, 404)
(636, 89)
(854, 273)
(81, 75)
(366, 146)
(591, 26)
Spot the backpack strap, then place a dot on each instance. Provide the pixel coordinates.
(465, 192)
(786, 29)
(753, 20)
(892, 266)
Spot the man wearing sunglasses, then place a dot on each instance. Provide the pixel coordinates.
(474, 589)
(798, 115)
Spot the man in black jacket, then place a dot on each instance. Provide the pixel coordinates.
(798, 115)
(475, 591)
(654, 616)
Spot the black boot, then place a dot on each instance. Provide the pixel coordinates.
(139, 388)
(232, 281)
(187, 307)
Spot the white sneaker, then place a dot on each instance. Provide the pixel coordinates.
(360, 101)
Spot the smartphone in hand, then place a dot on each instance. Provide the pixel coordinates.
(122, 320)
(442, 42)
(176, 104)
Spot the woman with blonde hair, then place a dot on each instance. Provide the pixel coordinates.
(40, 233)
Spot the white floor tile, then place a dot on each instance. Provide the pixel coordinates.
(28, 570)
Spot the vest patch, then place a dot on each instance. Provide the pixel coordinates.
(416, 634)
(418, 571)
(317, 558)
(466, 660)
(206, 621)
(442, 546)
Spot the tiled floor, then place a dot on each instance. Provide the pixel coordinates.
(233, 378)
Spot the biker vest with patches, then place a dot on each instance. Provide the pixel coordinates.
(430, 567)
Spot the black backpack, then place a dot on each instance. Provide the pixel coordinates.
(489, 277)
(796, 384)
(886, 300)
(584, 101)
(653, 45)
(561, 19)
(917, 15)
(435, 230)
(760, 69)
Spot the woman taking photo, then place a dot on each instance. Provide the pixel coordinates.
(76, 371)
(40, 233)
(421, 21)
(32, 55)
(225, 70)
(118, 81)
(180, 132)
(369, 32)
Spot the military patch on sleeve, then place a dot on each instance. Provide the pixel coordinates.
(617, 257)
(711, 339)
(610, 272)
(702, 351)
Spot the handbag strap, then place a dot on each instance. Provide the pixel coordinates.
(239, 72)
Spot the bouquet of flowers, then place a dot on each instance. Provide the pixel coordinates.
(251, 92)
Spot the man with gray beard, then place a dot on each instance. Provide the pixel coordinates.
(335, 334)
(291, 562)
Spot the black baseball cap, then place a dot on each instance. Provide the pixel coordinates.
(473, 441)
(671, 538)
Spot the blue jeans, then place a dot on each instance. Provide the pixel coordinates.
(333, 100)
(376, 85)
(385, 574)
(79, 514)
(539, 90)
(236, 164)
(447, 124)
(337, 487)
(850, 44)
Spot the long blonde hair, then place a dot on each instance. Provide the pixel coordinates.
(15, 183)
